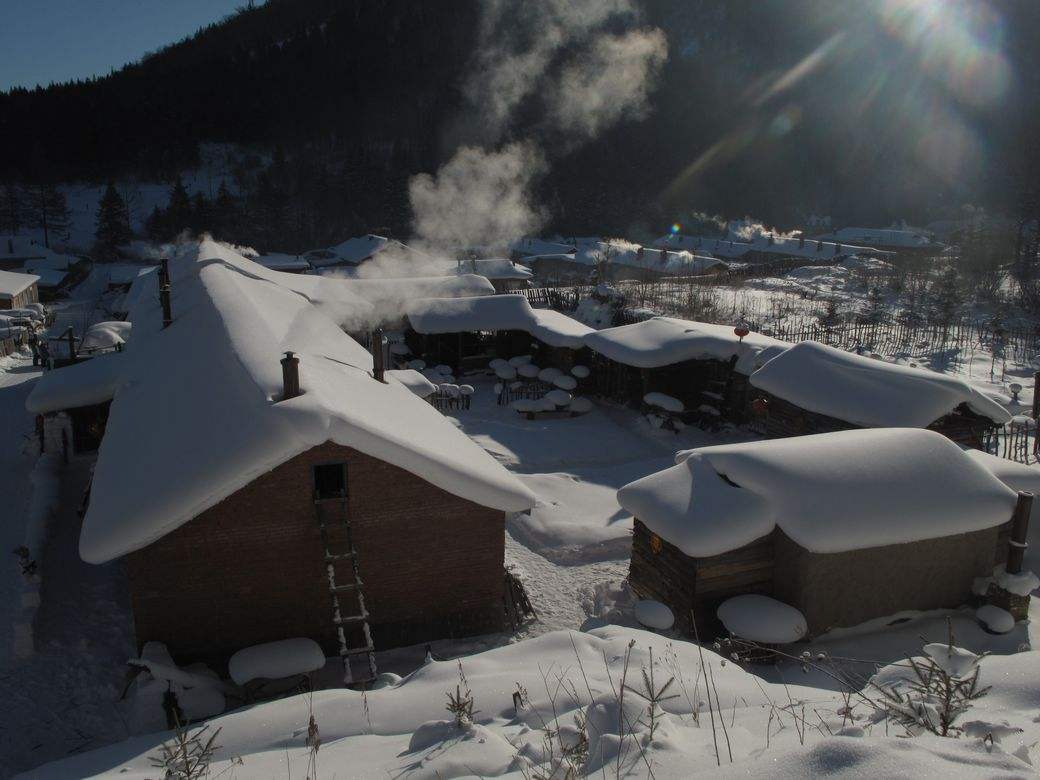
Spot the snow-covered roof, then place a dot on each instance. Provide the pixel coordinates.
(718, 247)
(216, 377)
(48, 277)
(830, 492)
(868, 392)
(352, 251)
(882, 237)
(497, 268)
(283, 262)
(662, 260)
(537, 246)
(125, 273)
(496, 312)
(662, 341)
(53, 262)
(784, 246)
(91, 382)
(12, 283)
(1017, 476)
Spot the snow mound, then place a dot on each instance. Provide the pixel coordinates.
(104, 335)
(955, 661)
(654, 614)
(997, 620)
(662, 401)
(274, 660)
(762, 619)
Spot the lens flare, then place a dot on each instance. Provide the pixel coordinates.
(676, 227)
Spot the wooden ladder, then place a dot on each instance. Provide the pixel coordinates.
(349, 615)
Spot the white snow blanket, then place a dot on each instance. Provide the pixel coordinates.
(496, 312)
(274, 660)
(283, 262)
(216, 377)
(830, 492)
(663, 341)
(1018, 476)
(868, 392)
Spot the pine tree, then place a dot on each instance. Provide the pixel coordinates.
(155, 225)
(48, 211)
(225, 212)
(178, 211)
(12, 209)
(113, 223)
(201, 214)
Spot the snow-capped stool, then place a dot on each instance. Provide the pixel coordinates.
(654, 614)
(276, 668)
(757, 624)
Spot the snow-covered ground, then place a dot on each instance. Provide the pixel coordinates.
(571, 552)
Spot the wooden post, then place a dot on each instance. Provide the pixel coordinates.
(378, 364)
(1036, 395)
(1019, 528)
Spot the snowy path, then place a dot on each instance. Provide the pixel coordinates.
(63, 699)
(16, 462)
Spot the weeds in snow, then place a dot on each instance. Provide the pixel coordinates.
(189, 754)
(460, 705)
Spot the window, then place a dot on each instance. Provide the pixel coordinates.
(330, 480)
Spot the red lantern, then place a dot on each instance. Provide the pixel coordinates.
(741, 330)
(760, 407)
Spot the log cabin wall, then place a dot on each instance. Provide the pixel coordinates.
(659, 570)
(783, 419)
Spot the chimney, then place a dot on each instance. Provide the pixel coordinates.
(801, 241)
(167, 312)
(377, 355)
(1019, 528)
(290, 376)
(837, 248)
(164, 272)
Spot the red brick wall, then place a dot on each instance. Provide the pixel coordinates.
(250, 569)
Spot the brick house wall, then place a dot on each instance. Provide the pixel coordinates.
(250, 569)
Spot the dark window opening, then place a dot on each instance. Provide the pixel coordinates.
(330, 480)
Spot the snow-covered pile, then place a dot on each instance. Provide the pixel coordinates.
(830, 492)
(758, 618)
(865, 391)
(104, 335)
(663, 341)
(216, 377)
(273, 660)
(496, 312)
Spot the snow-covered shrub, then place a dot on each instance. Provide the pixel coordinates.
(944, 684)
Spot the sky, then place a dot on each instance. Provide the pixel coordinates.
(43, 41)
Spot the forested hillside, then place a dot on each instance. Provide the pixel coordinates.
(343, 101)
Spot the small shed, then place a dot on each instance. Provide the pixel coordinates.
(845, 526)
(17, 290)
(697, 362)
(233, 483)
(468, 332)
(814, 388)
